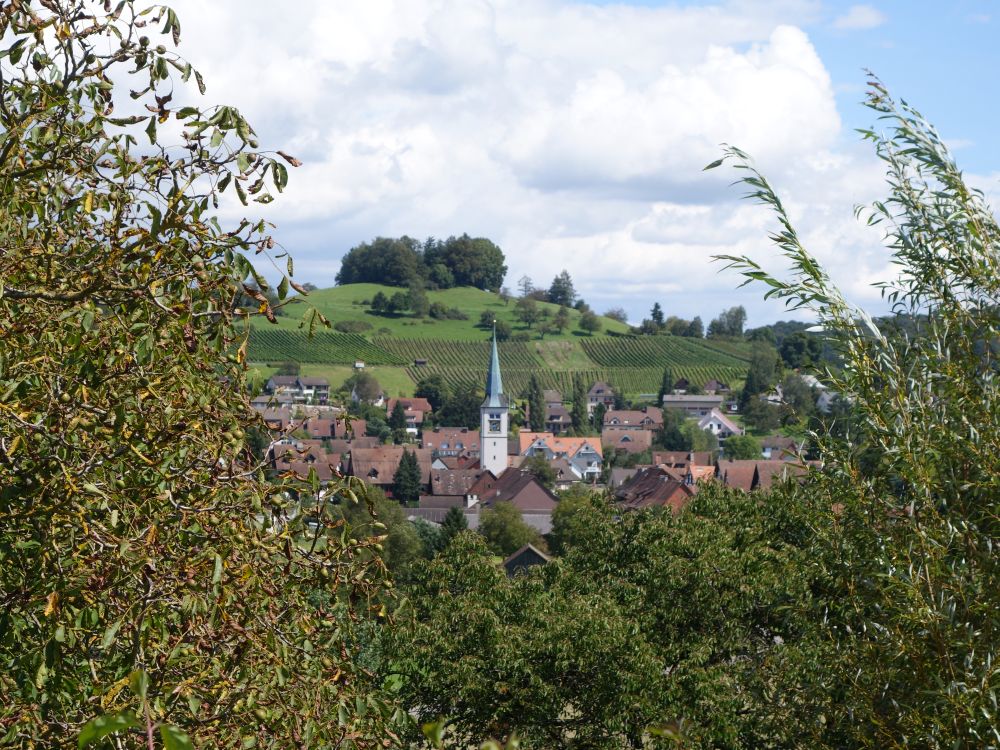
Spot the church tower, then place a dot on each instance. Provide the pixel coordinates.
(493, 418)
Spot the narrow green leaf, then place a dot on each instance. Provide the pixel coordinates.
(175, 738)
(138, 681)
(101, 726)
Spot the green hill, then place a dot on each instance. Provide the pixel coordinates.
(344, 303)
(400, 349)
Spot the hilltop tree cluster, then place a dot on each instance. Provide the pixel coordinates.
(434, 264)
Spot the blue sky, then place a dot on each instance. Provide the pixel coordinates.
(573, 133)
(942, 57)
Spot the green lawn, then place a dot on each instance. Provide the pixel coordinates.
(342, 303)
(394, 380)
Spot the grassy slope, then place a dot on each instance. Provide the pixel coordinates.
(339, 303)
(556, 356)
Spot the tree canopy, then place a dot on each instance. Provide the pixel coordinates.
(437, 264)
(142, 552)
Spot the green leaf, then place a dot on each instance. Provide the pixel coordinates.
(217, 573)
(101, 726)
(283, 288)
(138, 681)
(110, 633)
(434, 732)
(714, 164)
(175, 738)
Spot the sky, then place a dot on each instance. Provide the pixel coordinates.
(573, 133)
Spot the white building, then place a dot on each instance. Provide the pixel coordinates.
(493, 419)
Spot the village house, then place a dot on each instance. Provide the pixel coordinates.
(719, 425)
(692, 406)
(378, 466)
(654, 487)
(778, 447)
(451, 441)
(713, 387)
(301, 389)
(552, 397)
(527, 557)
(519, 488)
(600, 393)
(584, 454)
(413, 408)
(647, 418)
(750, 475)
(557, 419)
(628, 440)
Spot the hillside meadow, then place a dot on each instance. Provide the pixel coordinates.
(399, 350)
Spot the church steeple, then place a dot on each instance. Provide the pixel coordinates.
(493, 417)
(494, 383)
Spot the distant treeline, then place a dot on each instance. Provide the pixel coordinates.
(436, 264)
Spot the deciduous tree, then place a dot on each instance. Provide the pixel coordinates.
(155, 586)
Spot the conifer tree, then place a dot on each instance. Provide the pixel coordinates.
(406, 482)
(578, 413)
(536, 405)
(666, 385)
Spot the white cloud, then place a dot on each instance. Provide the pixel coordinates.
(573, 135)
(860, 17)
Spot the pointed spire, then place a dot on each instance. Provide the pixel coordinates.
(494, 384)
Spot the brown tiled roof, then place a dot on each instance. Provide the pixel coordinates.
(633, 441)
(419, 404)
(346, 446)
(464, 460)
(552, 397)
(324, 471)
(320, 428)
(564, 470)
(453, 481)
(313, 381)
(557, 413)
(600, 388)
(442, 501)
(378, 465)
(284, 454)
(772, 472)
(437, 437)
(654, 487)
(682, 458)
(558, 444)
(737, 473)
(358, 428)
(521, 489)
(619, 476)
(650, 416)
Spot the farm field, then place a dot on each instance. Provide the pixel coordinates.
(400, 351)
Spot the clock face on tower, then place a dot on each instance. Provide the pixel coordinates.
(494, 422)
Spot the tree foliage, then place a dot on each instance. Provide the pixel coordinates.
(441, 264)
(561, 291)
(505, 531)
(407, 481)
(142, 553)
(912, 610)
(536, 405)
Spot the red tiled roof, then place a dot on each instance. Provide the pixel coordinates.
(654, 487)
(633, 441)
(379, 465)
